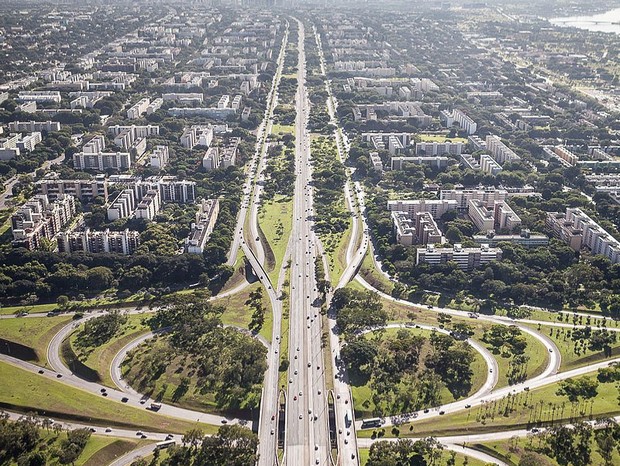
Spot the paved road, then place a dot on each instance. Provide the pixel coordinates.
(307, 437)
(257, 164)
(345, 425)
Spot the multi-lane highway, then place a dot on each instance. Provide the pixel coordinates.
(307, 437)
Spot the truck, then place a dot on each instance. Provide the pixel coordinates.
(155, 406)
(348, 418)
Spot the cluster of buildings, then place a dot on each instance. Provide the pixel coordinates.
(415, 223)
(221, 156)
(225, 108)
(15, 143)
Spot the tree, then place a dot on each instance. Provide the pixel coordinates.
(582, 388)
(233, 445)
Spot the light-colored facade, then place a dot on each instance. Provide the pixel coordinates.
(84, 190)
(206, 217)
(579, 230)
(96, 242)
(465, 258)
(122, 206)
(439, 162)
(525, 239)
(138, 109)
(159, 157)
(464, 121)
(498, 216)
(149, 206)
(489, 165)
(435, 207)
(500, 151)
(33, 126)
(439, 148)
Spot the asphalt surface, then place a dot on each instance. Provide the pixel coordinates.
(307, 437)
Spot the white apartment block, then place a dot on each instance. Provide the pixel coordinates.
(498, 216)
(39, 96)
(211, 159)
(138, 109)
(499, 151)
(465, 258)
(414, 206)
(185, 97)
(404, 228)
(201, 229)
(159, 157)
(97, 242)
(136, 131)
(223, 102)
(438, 148)
(489, 165)
(154, 106)
(33, 126)
(462, 196)
(8, 147)
(122, 206)
(576, 228)
(29, 142)
(438, 162)
(40, 219)
(84, 190)
(464, 121)
(376, 162)
(102, 160)
(149, 206)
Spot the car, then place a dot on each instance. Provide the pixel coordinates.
(272, 431)
(295, 356)
(352, 456)
(441, 413)
(102, 390)
(316, 446)
(319, 392)
(142, 401)
(317, 461)
(107, 429)
(41, 371)
(301, 416)
(139, 433)
(426, 410)
(309, 364)
(295, 398)
(300, 393)
(273, 417)
(340, 431)
(338, 396)
(124, 399)
(104, 394)
(550, 350)
(143, 436)
(295, 372)
(92, 429)
(468, 406)
(318, 368)
(491, 370)
(346, 441)
(290, 380)
(169, 437)
(430, 306)
(58, 376)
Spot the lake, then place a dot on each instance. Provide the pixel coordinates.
(589, 22)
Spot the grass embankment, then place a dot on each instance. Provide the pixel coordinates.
(538, 407)
(510, 451)
(570, 358)
(24, 391)
(283, 129)
(103, 450)
(33, 332)
(445, 456)
(275, 220)
(238, 314)
(284, 328)
(100, 358)
(374, 277)
(363, 394)
(336, 246)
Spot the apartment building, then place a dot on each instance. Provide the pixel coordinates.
(500, 152)
(33, 126)
(476, 143)
(160, 157)
(39, 219)
(184, 97)
(414, 206)
(201, 229)
(92, 157)
(138, 109)
(8, 147)
(404, 228)
(39, 96)
(579, 230)
(438, 148)
(464, 121)
(498, 216)
(154, 106)
(97, 242)
(376, 162)
(488, 196)
(211, 159)
(465, 258)
(84, 190)
(489, 165)
(123, 206)
(169, 187)
(525, 239)
(470, 162)
(228, 153)
(438, 162)
(136, 131)
(149, 206)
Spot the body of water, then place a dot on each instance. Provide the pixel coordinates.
(609, 22)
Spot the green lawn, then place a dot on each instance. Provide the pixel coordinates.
(363, 395)
(34, 309)
(238, 314)
(511, 450)
(373, 277)
(100, 358)
(540, 404)
(275, 219)
(284, 129)
(570, 359)
(426, 137)
(33, 332)
(337, 258)
(460, 458)
(103, 450)
(22, 390)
